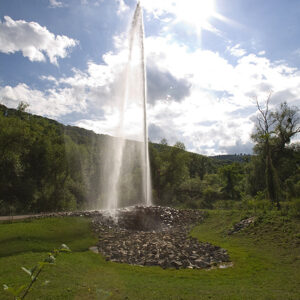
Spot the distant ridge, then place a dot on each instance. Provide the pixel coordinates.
(232, 157)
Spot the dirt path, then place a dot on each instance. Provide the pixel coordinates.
(21, 217)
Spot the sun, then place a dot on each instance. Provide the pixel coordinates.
(195, 12)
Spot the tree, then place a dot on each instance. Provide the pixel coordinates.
(179, 145)
(22, 106)
(199, 165)
(164, 142)
(265, 129)
(169, 168)
(177, 170)
(273, 133)
(231, 175)
(287, 124)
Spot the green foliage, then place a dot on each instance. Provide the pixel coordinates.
(169, 170)
(22, 291)
(231, 158)
(276, 160)
(179, 178)
(46, 166)
(257, 203)
(210, 195)
(292, 207)
(200, 165)
(231, 176)
(33, 173)
(22, 106)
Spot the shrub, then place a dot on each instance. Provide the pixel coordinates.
(22, 291)
(295, 207)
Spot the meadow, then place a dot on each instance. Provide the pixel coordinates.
(265, 258)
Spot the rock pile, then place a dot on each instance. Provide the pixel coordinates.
(241, 225)
(91, 213)
(150, 236)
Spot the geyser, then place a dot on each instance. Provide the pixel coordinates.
(125, 179)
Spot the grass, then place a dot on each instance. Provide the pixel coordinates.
(42, 235)
(266, 263)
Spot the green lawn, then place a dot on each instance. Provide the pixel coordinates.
(266, 263)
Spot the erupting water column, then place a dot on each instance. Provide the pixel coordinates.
(147, 179)
(133, 89)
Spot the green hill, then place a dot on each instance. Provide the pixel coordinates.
(47, 166)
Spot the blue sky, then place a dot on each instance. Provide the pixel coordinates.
(206, 62)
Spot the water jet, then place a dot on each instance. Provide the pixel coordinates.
(126, 174)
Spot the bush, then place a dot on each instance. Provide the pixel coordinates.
(259, 202)
(295, 207)
(192, 204)
(204, 204)
(228, 204)
(22, 291)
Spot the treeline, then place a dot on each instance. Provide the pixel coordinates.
(46, 166)
(269, 179)
(43, 164)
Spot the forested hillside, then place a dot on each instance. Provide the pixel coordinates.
(46, 166)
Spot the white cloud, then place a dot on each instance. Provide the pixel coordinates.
(49, 78)
(55, 3)
(217, 115)
(202, 122)
(52, 103)
(237, 50)
(214, 117)
(263, 52)
(192, 12)
(122, 7)
(33, 40)
(91, 2)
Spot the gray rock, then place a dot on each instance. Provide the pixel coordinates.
(155, 236)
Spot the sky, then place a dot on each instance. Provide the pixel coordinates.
(206, 60)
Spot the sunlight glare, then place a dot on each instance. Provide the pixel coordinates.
(193, 12)
(196, 12)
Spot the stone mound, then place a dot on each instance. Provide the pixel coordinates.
(155, 236)
(241, 225)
